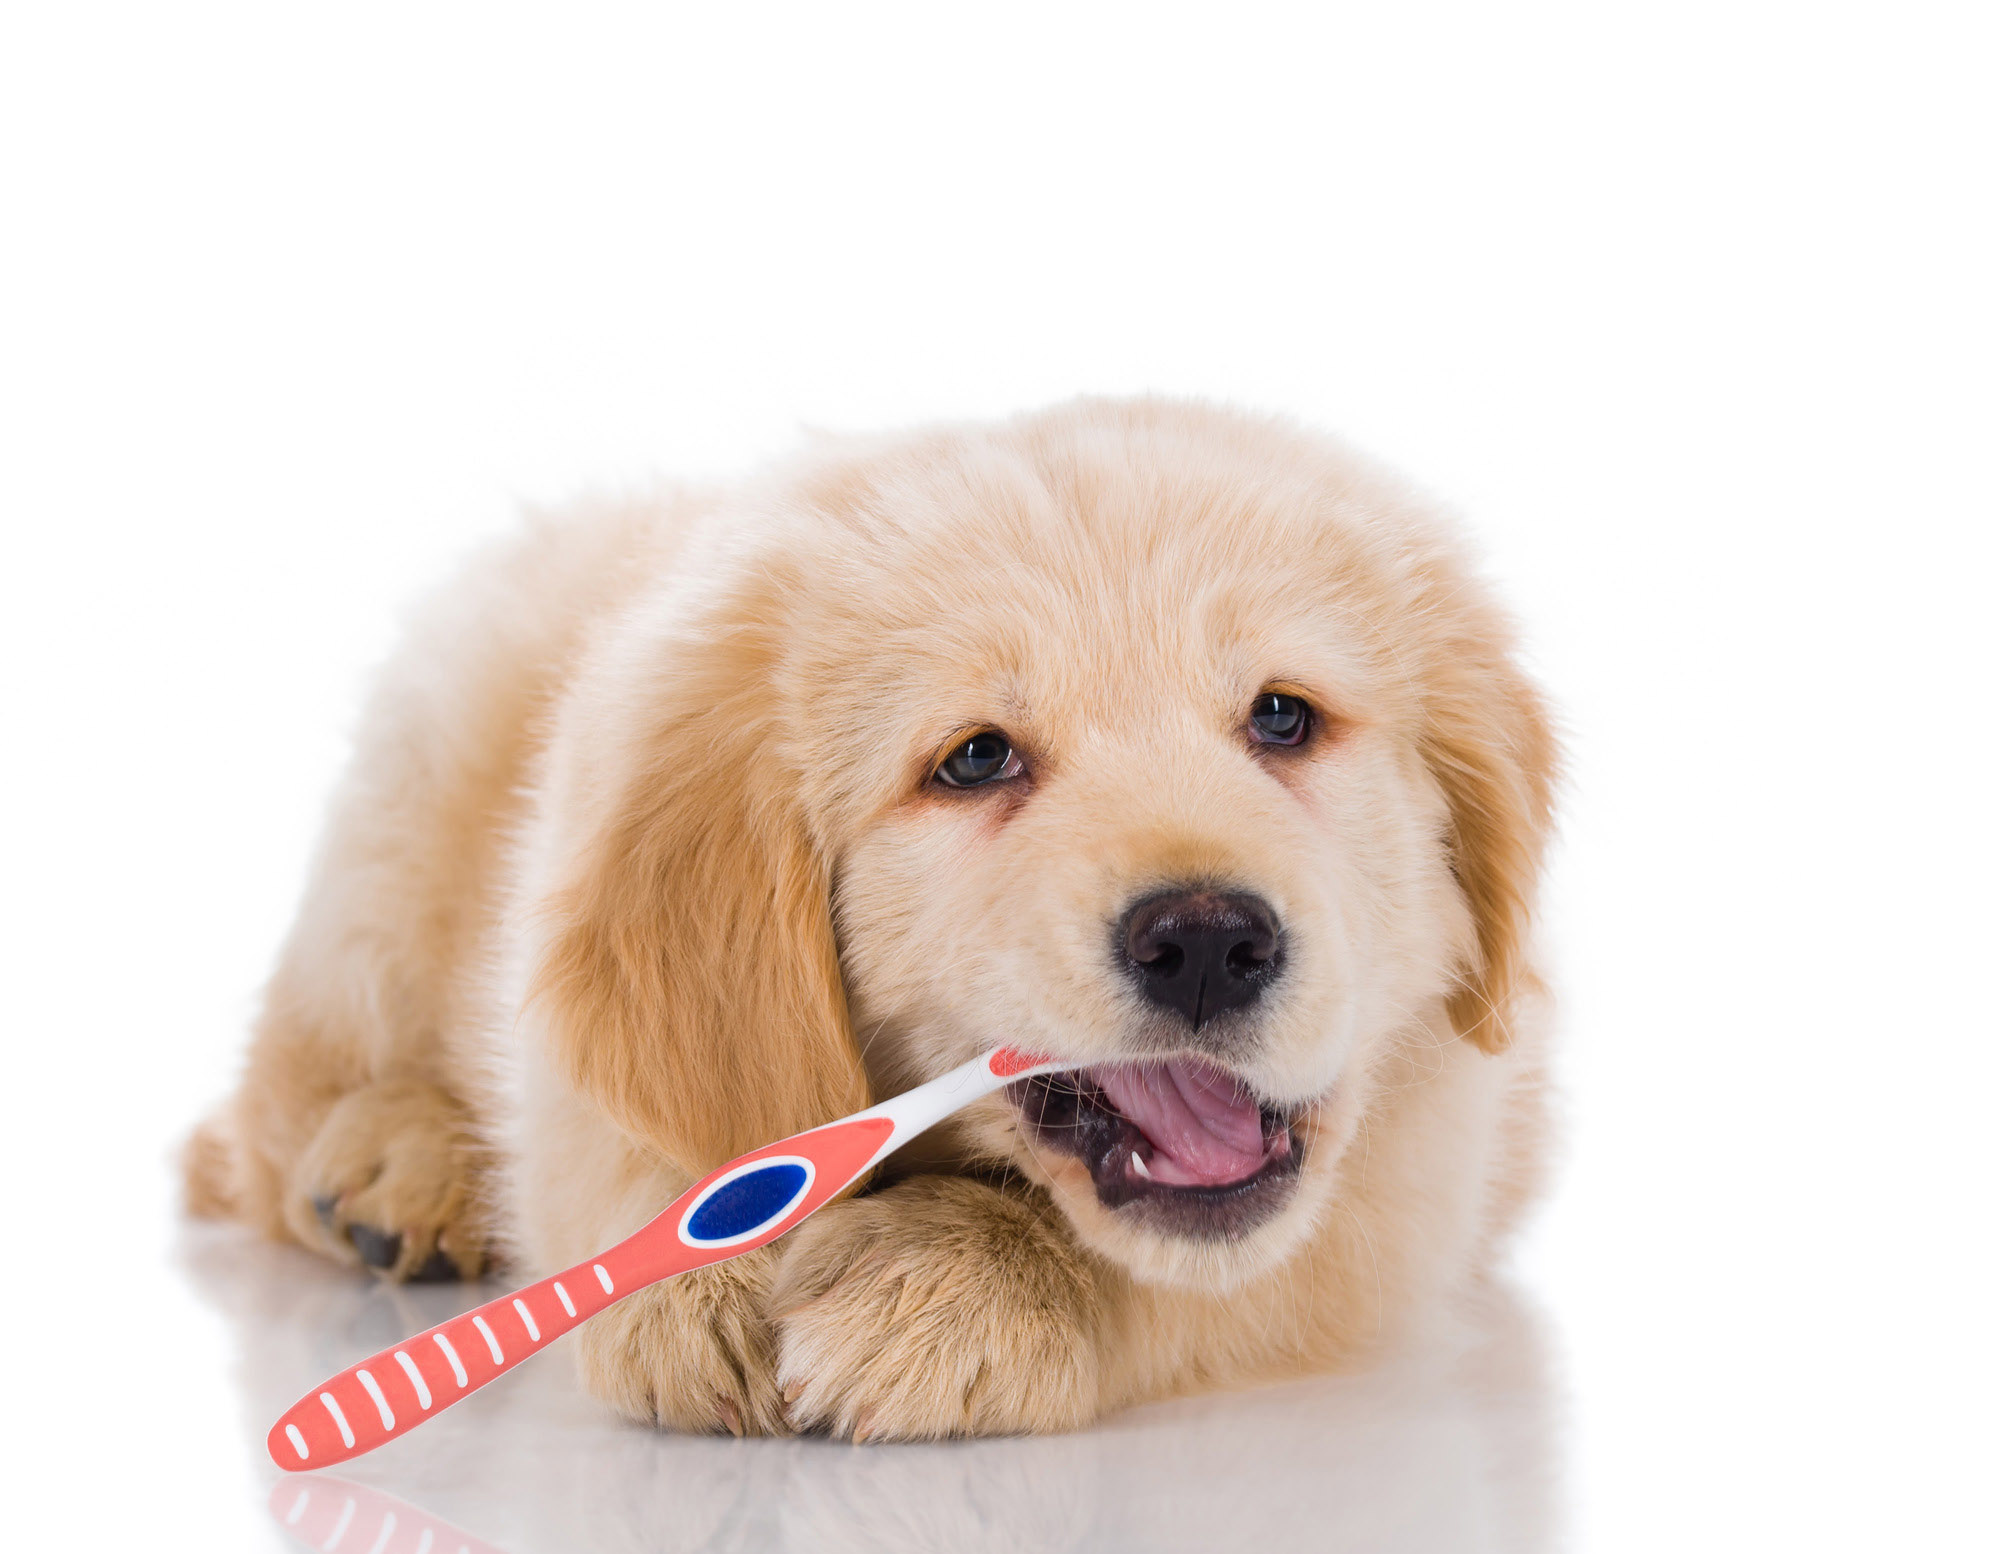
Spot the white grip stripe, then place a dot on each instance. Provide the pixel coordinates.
(385, 1531)
(490, 1338)
(301, 1449)
(413, 1375)
(454, 1359)
(336, 1413)
(525, 1316)
(608, 1286)
(371, 1386)
(566, 1300)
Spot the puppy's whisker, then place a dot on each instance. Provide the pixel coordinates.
(868, 1042)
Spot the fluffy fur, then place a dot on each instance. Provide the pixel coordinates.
(639, 865)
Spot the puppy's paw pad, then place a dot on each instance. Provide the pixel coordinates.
(377, 1249)
(939, 1308)
(389, 1182)
(387, 1252)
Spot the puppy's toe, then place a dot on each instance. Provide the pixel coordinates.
(941, 1307)
(696, 1353)
(389, 1183)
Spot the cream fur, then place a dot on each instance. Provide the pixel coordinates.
(638, 866)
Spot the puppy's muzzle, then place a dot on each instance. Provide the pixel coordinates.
(1200, 953)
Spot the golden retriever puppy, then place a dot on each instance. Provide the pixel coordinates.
(1166, 740)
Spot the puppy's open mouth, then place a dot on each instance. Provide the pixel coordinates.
(1181, 1146)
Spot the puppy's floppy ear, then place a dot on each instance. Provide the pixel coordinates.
(1492, 749)
(690, 976)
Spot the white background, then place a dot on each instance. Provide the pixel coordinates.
(1700, 314)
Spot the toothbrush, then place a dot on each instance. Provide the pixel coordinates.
(734, 1209)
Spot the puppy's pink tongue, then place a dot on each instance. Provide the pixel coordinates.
(1203, 1123)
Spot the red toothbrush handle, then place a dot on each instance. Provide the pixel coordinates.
(398, 1388)
(740, 1206)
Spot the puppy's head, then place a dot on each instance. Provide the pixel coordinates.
(1164, 741)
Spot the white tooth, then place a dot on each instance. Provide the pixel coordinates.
(1140, 1165)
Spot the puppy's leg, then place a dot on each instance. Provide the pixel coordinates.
(943, 1306)
(693, 1353)
(696, 1353)
(369, 1055)
(389, 1181)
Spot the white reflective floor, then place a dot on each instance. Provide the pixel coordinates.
(1700, 313)
(1449, 1457)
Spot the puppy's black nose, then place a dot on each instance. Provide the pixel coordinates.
(1200, 952)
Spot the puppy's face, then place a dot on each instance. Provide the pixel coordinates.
(1127, 767)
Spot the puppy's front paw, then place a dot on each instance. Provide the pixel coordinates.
(940, 1307)
(695, 1353)
(389, 1181)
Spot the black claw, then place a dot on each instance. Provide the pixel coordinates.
(325, 1210)
(437, 1269)
(378, 1249)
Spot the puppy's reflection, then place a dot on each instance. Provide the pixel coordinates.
(1447, 1457)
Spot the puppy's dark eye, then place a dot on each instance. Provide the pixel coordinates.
(980, 758)
(1278, 719)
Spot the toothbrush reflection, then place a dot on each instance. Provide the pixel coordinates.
(338, 1517)
(1450, 1457)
